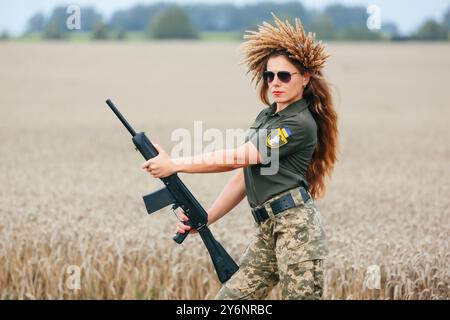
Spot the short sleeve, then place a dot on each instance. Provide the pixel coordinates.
(258, 138)
(288, 136)
(254, 134)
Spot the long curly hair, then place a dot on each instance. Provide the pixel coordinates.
(317, 92)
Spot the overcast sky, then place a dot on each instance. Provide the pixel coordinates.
(407, 14)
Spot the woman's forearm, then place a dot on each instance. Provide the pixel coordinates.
(216, 161)
(231, 195)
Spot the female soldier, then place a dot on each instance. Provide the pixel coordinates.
(300, 128)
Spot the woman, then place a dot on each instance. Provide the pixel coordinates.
(298, 132)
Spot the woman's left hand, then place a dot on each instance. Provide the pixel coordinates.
(160, 166)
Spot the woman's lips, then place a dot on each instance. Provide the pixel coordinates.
(277, 93)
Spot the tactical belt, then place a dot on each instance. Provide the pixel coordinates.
(281, 204)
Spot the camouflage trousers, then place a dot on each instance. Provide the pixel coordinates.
(288, 249)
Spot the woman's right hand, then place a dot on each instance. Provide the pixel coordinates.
(181, 227)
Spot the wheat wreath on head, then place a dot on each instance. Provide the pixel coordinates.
(301, 46)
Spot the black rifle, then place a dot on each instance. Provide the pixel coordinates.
(177, 194)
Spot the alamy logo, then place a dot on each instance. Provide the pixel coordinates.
(233, 138)
(73, 22)
(373, 277)
(74, 279)
(374, 19)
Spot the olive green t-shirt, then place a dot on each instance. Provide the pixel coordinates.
(286, 141)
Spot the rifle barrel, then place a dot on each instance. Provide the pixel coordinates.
(121, 117)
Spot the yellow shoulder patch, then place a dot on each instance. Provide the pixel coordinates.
(278, 137)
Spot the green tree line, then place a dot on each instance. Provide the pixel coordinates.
(169, 21)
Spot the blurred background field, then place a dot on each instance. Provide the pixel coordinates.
(71, 183)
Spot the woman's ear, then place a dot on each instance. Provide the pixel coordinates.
(306, 78)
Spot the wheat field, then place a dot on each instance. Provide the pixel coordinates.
(71, 183)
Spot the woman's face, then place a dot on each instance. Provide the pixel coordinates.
(286, 93)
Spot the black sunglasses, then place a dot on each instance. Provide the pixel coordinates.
(284, 76)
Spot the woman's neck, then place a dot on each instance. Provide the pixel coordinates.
(284, 105)
(281, 107)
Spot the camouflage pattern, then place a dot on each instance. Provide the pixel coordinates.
(288, 249)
